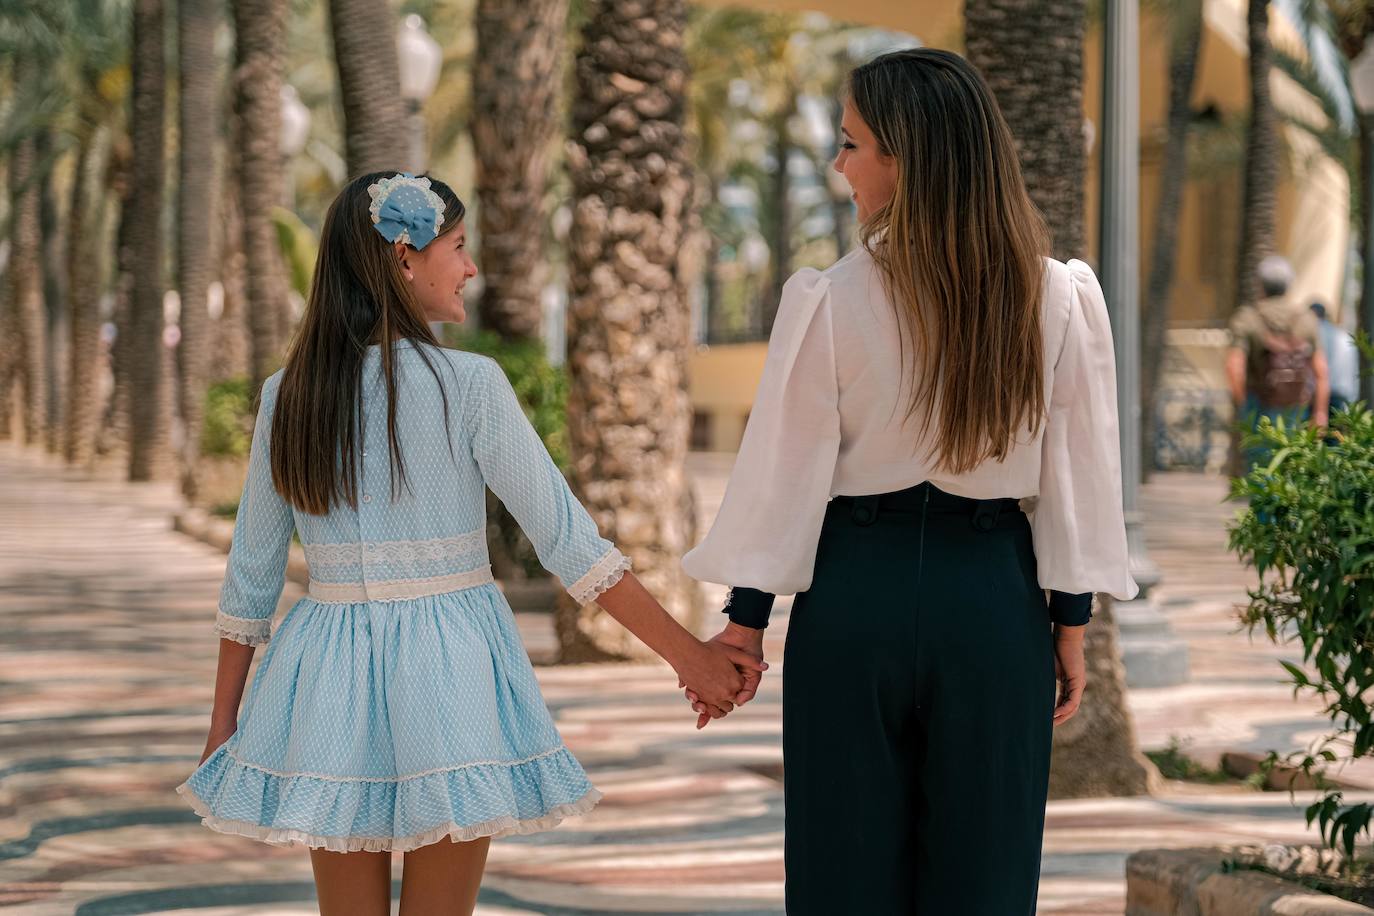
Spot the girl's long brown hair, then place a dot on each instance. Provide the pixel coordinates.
(960, 248)
(358, 296)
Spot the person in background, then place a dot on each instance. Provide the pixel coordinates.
(1342, 359)
(1275, 367)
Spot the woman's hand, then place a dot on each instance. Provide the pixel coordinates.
(746, 639)
(714, 672)
(220, 732)
(1069, 670)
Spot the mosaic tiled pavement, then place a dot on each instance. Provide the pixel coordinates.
(106, 667)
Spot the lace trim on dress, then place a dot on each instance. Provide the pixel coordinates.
(351, 553)
(496, 827)
(396, 589)
(409, 776)
(250, 631)
(606, 572)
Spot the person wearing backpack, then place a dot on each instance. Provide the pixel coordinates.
(1275, 367)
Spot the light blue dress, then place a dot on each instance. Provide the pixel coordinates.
(395, 705)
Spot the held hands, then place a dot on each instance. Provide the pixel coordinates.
(734, 639)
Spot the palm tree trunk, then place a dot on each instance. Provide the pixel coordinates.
(147, 426)
(628, 319)
(1183, 61)
(85, 273)
(52, 235)
(198, 193)
(780, 226)
(26, 280)
(113, 434)
(260, 26)
(233, 345)
(515, 86)
(1031, 54)
(370, 85)
(1260, 201)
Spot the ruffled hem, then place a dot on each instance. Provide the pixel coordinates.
(345, 814)
(602, 577)
(458, 833)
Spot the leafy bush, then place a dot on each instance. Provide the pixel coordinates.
(1309, 533)
(229, 416)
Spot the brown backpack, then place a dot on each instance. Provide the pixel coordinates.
(1286, 378)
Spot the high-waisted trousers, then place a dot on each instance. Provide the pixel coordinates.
(918, 695)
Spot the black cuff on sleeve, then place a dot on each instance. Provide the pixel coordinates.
(749, 607)
(1071, 610)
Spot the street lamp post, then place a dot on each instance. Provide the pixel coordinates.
(1152, 654)
(420, 59)
(1362, 86)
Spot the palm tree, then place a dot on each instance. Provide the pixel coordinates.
(147, 426)
(260, 58)
(516, 79)
(369, 84)
(25, 276)
(199, 76)
(1032, 56)
(1184, 49)
(1259, 205)
(628, 321)
(86, 258)
(96, 52)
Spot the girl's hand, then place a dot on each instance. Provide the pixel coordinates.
(1069, 670)
(219, 733)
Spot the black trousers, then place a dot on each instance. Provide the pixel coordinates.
(918, 695)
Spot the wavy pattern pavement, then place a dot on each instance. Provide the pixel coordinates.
(106, 663)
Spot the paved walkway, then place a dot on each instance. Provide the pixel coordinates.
(106, 668)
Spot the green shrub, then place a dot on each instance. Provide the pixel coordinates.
(229, 416)
(1309, 534)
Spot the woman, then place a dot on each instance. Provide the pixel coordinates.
(396, 709)
(912, 394)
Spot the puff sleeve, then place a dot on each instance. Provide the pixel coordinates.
(766, 532)
(1078, 525)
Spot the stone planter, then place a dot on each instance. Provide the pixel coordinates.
(1192, 882)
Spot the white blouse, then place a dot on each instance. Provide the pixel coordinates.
(828, 421)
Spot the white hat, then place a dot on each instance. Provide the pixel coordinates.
(1275, 272)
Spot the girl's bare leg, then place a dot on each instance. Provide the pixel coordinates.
(443, 878)
(352, 883)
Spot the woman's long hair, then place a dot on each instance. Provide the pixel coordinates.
(358, 296)
(960, 248)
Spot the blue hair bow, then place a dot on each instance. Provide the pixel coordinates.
(405, 209)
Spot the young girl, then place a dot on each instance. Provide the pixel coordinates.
(913, 393)
(396, 709)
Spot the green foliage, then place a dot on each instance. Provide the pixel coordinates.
(229, 419)
(1309, 534)
(299, 248)
(1174, 763)
(541, 387)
